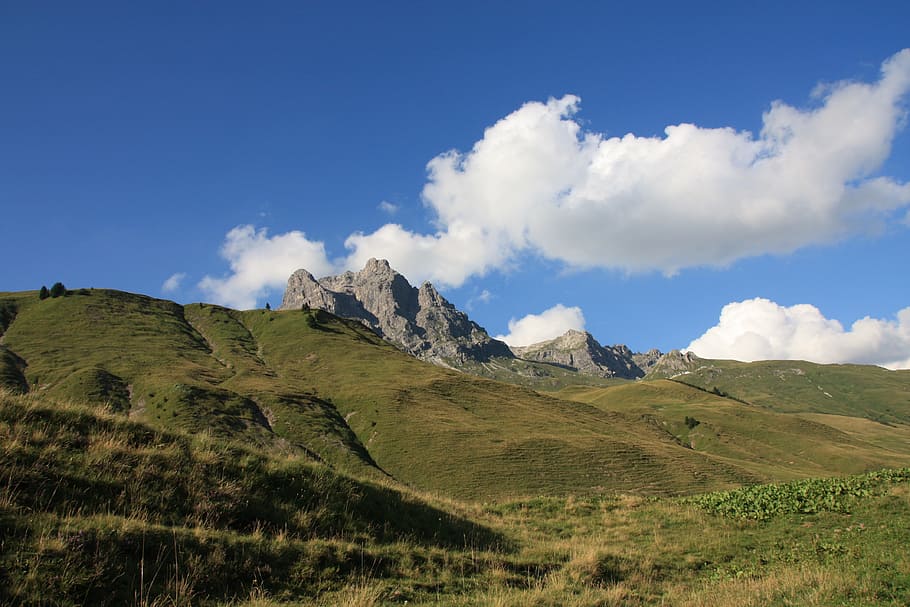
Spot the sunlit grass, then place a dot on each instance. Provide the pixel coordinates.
(171, 455)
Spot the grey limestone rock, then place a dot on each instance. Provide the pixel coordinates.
(420, 321)
(580, 351)
(675, 363)
(646, 360)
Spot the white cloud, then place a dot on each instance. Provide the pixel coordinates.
(173, 282)
(549, 324)
(259, 263)
(445, 258)
(760, 329)
(538, 182)
(387, 207)
(483, 297)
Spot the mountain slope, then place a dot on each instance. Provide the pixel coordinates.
(765, 442)
(799, 386)
(579, 351)
(455, 433)
(310, 384)
(97, 509)
(145, 357)
(102, 510)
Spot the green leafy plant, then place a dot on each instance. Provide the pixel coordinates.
(808, 496)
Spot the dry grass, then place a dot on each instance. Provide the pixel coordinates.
(804, 585)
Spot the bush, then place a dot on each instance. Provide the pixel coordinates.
(43, 293)
(58, 290)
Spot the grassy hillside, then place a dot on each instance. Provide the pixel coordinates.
(802, 387)
(98, 509)
(158, 454)
(309, 384)
(146, 356)
(767, 443)
(462, 435)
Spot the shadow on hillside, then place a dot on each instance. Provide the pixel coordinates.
(112, 564)
(400, 518)
(173, 480)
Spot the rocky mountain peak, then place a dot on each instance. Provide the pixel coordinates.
(579, 350)
(646, 360)
(420, 321)
(378, 266)
(573, 339)
(675, 362)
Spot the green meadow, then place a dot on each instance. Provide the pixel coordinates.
(158, 454)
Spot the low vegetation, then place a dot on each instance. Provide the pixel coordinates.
(97, 509)
(808, 496)
(158, 454)
(789, 386)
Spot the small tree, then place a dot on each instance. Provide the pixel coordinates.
(43, 293)
(58, 290)
(267, 306)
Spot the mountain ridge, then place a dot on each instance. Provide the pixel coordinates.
(579, 350)
(426, 325)
(419, 320)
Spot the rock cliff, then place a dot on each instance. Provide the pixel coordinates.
(579, 350)
(420, 321)
(674, 363)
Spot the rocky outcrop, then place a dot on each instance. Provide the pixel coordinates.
(420, 321)
(674, 363)
(579, 350)
(647, 360)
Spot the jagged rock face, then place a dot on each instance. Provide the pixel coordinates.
(420, 321)
(580, 351)
(675, 363)
(646, 360)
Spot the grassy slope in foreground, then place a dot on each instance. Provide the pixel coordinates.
(175, 519)
(97, 509)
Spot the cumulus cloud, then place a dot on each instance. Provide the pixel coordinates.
(446, 258)
(173, 282)
(550, 323)
(760, 329)
(483, 297)
(387, 207)
(260, 263)
(537, 181)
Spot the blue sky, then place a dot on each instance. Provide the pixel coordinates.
(482, 146)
